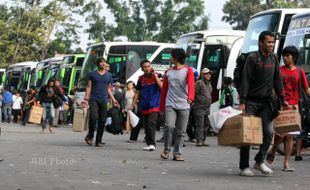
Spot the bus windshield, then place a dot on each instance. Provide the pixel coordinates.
(257, 25)
(93, 53)
(190, 41)
(68, 60)
(299, 36)
(125, 59)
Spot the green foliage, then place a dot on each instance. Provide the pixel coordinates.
(151, 20)
(27, 28)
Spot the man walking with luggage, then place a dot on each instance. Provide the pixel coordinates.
(148, 94)
(260, 76)
(97, 92)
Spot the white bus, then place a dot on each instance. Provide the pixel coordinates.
(298, 35)
(214, 49)
(18, 76)
(274, 20)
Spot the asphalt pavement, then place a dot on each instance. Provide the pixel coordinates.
(62, 160)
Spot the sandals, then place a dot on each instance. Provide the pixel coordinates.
(288, 169)
(178, 157)
(165, 154)
(270, 158)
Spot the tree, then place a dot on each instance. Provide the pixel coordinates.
(152, 20)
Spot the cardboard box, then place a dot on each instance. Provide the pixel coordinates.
(287, 121)
(80, 122)
(241, 130)
(36, 114)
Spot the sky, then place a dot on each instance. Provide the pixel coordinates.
(212, 8)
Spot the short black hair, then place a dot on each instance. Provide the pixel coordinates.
(144, 61)
(101, 59)
(227, 80)
(179, 55)
(263, 34)
(292, 50)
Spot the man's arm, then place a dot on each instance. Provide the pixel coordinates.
(109, 87)
(247, 76)
(135, 99)
(88, 90)
(158, 81)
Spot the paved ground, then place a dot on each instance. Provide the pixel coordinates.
(62, 161)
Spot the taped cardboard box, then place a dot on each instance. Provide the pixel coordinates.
(287, 121)
(36, 113)
(80, 122)
(241, 130)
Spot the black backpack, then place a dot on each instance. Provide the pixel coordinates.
(229, 100)
(239, 69)
(241, 59)
(116, 127)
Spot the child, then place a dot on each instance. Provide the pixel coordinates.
(229, 94)
(17, 106)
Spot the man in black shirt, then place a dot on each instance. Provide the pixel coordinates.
(261, 75)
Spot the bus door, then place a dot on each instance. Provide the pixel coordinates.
(215, 58)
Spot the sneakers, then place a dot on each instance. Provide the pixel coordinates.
(149, 148)
(263, 168)
(246, 172)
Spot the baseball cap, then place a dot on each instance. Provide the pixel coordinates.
(205, 70)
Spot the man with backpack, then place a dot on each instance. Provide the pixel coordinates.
(261, 75)
(7, 102)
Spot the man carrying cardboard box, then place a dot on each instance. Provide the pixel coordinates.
(260, 76)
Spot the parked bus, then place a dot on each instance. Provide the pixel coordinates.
(43, 71)
(18, 76)
(124, 59)
(298, 35)
(214, 49)
(274, 20)
(70, 71)
(2, 78)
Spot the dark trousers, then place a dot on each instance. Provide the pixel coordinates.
(149, 124)
(135, 131)
(191, 126)
(26, 116)
(202, 123)
(97, 114)
(261, 110)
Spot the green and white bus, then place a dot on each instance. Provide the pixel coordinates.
(44, 70)
(18, 76)
(70, 71)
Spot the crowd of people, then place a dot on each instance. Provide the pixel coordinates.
(58, 108)
(181, 95)
(180, 101)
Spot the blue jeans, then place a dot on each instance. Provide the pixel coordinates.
(261, 110)
(7, 112)
(48, 114)
(175, 122)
